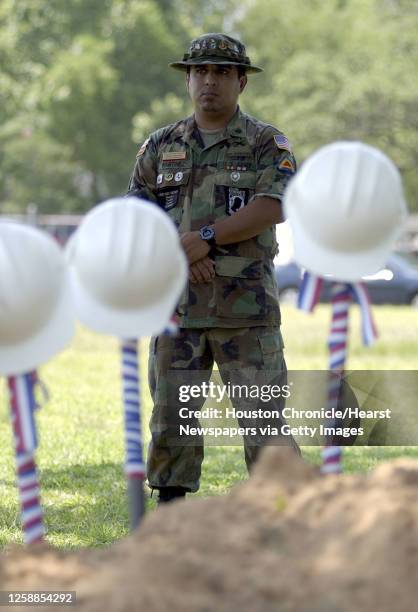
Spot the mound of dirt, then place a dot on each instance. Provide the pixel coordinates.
(287, 539)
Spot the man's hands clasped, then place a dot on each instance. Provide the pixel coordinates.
(201, 267)
(202, 271)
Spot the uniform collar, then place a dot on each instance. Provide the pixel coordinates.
(236, 128)
(189, 132)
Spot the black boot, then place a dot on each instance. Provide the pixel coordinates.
(168, 494)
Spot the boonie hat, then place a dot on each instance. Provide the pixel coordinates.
(36, 312)
(346, 207)
(216, 48)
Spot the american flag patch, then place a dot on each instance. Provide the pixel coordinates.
(282, 142)
(143, 147)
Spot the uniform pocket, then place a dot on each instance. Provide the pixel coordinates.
(239, 290)
(271, 342)
(272, 345)
(233, 190)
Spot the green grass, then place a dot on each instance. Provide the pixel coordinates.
(80, 455)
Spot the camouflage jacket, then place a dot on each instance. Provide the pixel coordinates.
(197, 185)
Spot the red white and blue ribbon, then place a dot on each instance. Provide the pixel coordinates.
(309, 292)
(368, 327)
(338, 335)
(134, 464)
(337, 346)
(23, 406)
(341, 297)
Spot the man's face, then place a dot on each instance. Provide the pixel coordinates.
(214, 88)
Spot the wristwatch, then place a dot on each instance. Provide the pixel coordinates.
(208, 235)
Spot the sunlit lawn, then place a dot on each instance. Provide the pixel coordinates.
(81, 438)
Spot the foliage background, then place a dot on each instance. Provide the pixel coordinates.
(83, 82)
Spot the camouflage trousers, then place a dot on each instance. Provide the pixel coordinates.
(245, 356)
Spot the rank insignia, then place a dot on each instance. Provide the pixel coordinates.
(142, 148)
(169, 176)
(235, 176)
(282, 142)
(174, 155)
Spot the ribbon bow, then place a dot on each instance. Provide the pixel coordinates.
(341, 294)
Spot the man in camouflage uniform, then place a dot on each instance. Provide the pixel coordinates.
(220, 175)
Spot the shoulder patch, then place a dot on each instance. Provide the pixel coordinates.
(287, 165)
(282, 142)
(142, 148)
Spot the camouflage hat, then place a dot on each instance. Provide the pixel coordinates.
(216, 49)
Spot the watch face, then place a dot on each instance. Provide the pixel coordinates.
(207, 233)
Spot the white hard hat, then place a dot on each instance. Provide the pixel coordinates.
(36, 314)
(345, 207)
(127, 268)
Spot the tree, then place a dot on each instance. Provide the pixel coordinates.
(338, 70)
(83, 83)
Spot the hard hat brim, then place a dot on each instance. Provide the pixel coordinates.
(120, 323)
(51, 339)
(347, 267)
(142, 317)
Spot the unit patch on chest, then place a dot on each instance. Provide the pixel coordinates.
(236, 199)
(230, 198)
(168, 197)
